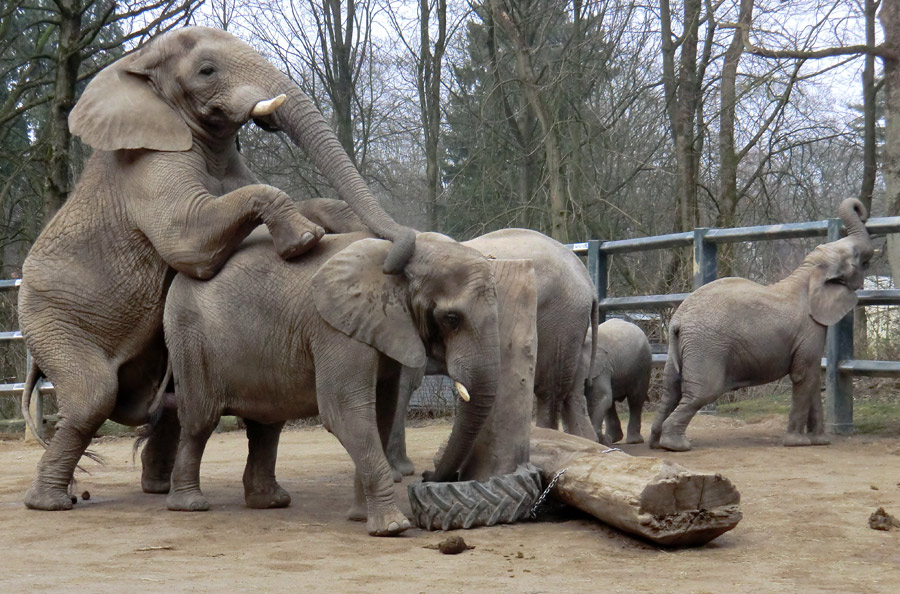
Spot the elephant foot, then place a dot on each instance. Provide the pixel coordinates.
(795, 440)
(270, 498)
(358, 513)
(47, 499)
(614, 436)
(675, 443)
(396, 475)
(296, 239)
(187, 501)
(634, 439)
(404, 466)
(389, 524)
(155, 486)
(819, 440)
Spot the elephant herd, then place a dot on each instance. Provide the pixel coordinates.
(173, 288)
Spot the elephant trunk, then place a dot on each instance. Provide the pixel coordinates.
(469, 421)
(307, 128)
(853, 214)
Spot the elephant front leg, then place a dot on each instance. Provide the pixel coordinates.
(347, 406)
(196, 233)
(806, 382)
(396, 447)
(261, 490)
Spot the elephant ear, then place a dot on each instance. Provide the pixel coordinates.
(354, 296)
(829, 297)
(119, 109)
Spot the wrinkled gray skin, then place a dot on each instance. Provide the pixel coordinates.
(270, 340)
(164, 191)
(734, 333)
(565, 309)
(621, 372)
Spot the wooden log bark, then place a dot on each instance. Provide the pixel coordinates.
(649, 497)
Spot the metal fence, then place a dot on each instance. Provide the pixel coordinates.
(839, 364)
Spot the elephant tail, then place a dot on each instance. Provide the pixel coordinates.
(155, 412)
(34, 376)
(595, 319)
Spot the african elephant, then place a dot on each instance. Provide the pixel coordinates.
(165, 191)
(621, 372)
(734, 333)
(566, 307)
(270, 340)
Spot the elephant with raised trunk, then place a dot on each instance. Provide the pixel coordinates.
(165, 191)
(270, 340)
(734, 333)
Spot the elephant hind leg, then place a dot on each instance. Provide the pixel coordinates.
(672, 390)
(261, 490)
(695, 395)
(87, 398)
(635, 410)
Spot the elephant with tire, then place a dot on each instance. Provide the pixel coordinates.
(734, 333)
(327, 334)
(165, 191)
(566, 308)
(621, 372)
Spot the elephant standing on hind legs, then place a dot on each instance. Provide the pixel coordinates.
(165, 191)
(734, 333)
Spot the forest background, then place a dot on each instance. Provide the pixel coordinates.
(585, 120)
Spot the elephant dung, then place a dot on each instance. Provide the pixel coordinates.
(649, 497)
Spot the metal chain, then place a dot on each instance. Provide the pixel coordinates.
(540, 501)
(612, 450)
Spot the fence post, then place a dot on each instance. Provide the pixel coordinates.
(706, 267)
(838, 348)
(598, 268)
(37, 406)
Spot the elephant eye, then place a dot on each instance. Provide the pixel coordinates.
(207, 70)
(451, 321)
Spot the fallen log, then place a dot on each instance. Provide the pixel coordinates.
(649, 497)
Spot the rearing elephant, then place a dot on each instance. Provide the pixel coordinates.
(164, 191)
(734, 333)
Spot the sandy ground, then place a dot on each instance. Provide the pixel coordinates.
(804, 529)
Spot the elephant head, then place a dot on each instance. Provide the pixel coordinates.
(200, 85)
(443, 306)
(838, 269)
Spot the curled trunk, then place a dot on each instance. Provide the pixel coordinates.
(853, 214)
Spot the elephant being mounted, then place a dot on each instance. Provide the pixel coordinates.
(164, 191)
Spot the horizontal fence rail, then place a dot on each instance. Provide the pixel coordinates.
(839, 364)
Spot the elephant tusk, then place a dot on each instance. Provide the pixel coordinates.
(267, 107)
(463, 392)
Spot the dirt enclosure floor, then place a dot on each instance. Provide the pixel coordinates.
(805, 527)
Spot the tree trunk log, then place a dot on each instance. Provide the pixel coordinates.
(649, 497)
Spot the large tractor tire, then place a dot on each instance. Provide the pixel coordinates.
(469, 504)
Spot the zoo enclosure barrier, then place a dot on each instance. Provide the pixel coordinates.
(839, 364)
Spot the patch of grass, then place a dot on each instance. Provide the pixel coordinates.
(882, 418)
(756, 409)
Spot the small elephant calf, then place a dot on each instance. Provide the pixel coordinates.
(734, 333)
(621, 372)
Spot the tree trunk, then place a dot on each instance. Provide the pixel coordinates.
(890, 24)
(68, 60)
(559, 216)
(649, 497)
(728, 159)
(429, 86)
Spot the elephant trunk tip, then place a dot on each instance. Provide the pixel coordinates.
(404, 245)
